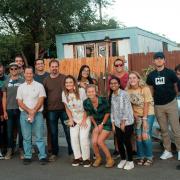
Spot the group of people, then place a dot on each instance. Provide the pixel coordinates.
(129, 111)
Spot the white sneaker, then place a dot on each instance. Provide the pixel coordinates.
(166, 155)
(121, 164)
(178, 155)
(1, 156)
(129, 165)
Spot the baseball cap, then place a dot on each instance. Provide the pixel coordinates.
(159, 55)
(13, 64)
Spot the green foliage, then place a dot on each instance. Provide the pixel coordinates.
(9, 46)
(31, 21)
(146, 71)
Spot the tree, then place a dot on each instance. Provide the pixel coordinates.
(101, 4)
(38, 21)
(9, 45)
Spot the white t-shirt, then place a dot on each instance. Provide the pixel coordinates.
(30, 94)
(75, 105)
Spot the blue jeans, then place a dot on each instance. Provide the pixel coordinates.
(12, 123)
(53, 117)
(144, 145)
(38, 127)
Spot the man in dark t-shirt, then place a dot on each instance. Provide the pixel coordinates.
(163, 83)
(54, 84)
(39, 76)
(40, 73)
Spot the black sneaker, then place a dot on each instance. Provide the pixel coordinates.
(115, 155)
(134, 153)
(43, 161)
(87, 163)
(27, 161)
(70, 152)
(76, 162)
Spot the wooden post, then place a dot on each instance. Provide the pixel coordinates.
(36, 50)
(25, 59)
(107, 41)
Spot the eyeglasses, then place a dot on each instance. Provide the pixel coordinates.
(13, 69)
(119, 65)
(87, 71)
(39, 63)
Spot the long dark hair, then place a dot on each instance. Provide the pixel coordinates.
(76, 90)
(111, 91)
(80, 74)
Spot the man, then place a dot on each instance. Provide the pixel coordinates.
(40, 73)
(30, 96)
(163, 83)
(19, 60)
(11, 110)
(54, 86)
(2, 122)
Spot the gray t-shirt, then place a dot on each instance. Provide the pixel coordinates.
(10, 87)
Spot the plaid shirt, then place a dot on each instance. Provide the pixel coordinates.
(99, 113)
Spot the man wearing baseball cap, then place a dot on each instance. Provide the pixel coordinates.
(163, 83)
(11, 109)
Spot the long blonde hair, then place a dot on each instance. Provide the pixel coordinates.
(141, 83)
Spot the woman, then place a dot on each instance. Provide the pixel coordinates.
(79, 124)
(97, 108)
(142, 103)
(122, 120)
(122, 74)
(84, 77)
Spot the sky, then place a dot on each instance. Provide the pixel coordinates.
(158, 16)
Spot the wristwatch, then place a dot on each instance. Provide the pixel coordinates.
(102, 123)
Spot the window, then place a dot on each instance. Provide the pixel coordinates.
(79, 51)
(90, 50)
(165, 46)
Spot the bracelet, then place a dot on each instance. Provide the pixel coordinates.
(144, 118)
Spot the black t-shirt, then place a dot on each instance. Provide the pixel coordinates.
(40, 78)
(163, 84)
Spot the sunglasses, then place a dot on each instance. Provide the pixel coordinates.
(119, 65)
(13, 69)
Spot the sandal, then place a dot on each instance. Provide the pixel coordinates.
(140, 162)
(148, 162)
